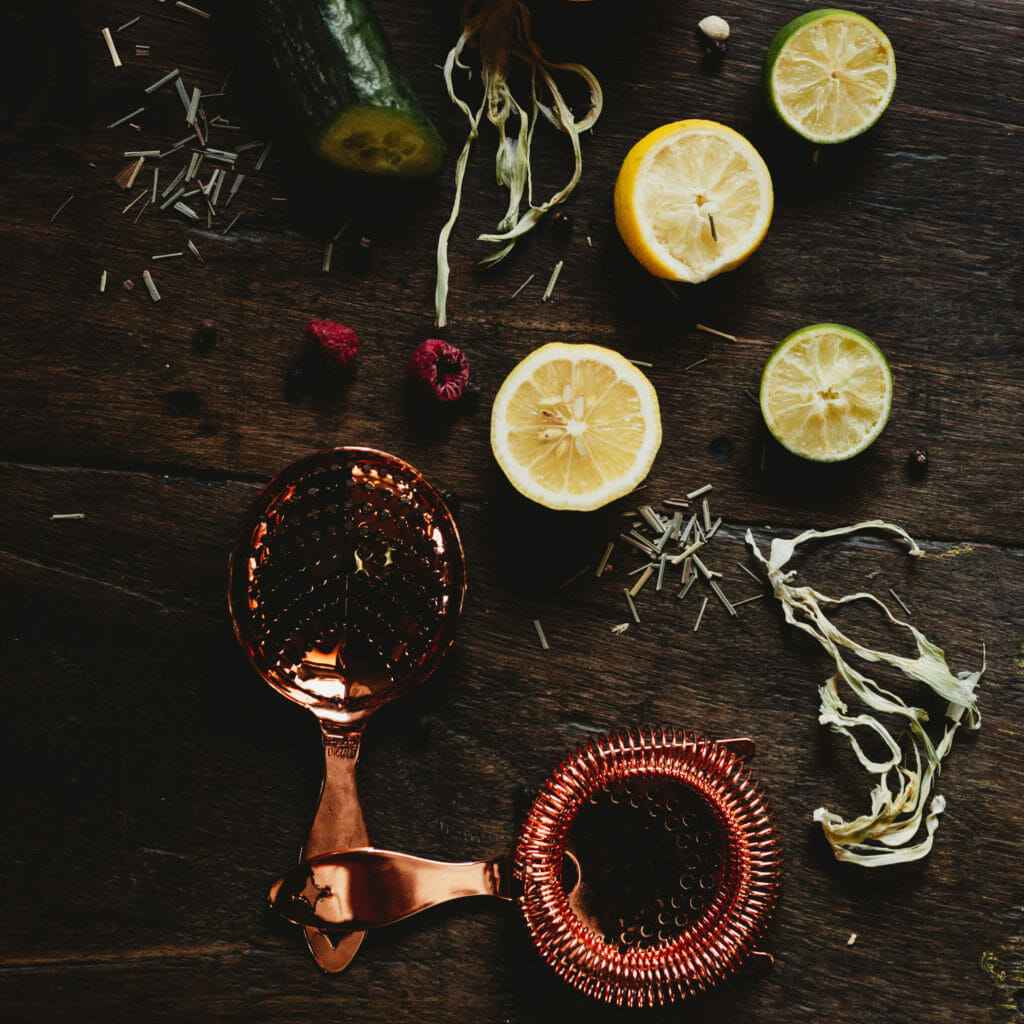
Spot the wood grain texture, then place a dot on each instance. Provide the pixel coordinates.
(153, 786)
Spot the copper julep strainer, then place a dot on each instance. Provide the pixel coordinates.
(345, 587)
(646, 870)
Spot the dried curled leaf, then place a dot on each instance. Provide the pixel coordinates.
(901, 801)
(501, 32)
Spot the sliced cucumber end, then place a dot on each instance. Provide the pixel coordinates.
(382, 142)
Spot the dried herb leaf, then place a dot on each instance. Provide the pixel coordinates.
(900, 807)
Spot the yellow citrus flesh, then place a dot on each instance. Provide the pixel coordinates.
(826, 392)
(575, 426)
(832, 76)
(693, 199)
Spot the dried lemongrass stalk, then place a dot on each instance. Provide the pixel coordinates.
(549, 291)
(127, 117)
(151, 287)
(198, 12)
(111, 47)
(162, 81)
(900, 806)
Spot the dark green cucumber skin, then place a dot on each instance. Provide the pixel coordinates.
(325, 55)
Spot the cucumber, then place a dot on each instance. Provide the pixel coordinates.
(339, 84)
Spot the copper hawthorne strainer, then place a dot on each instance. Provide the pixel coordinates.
(646, 870)
(346, 583)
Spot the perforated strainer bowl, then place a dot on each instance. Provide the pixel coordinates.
(346, 583)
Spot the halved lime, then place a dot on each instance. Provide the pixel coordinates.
(830, 74)
(826, 392)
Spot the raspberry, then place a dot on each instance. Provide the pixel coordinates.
(441, 368)
(334, 345)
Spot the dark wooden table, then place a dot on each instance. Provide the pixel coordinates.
(153, 786)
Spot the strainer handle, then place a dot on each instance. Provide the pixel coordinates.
(337, 825)
(369, 888)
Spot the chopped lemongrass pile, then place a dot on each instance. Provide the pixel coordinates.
(672, 543)
(902, 804)
(176, 165)
(500, 29)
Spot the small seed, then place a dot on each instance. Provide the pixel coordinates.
(714, 27)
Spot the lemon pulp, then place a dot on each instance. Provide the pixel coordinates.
(575, 426)
(693, 199)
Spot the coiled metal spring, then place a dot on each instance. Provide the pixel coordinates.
(679, 857)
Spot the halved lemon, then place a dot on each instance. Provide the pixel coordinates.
(826, 392)
(575, 426)
(830, 74)
(693, 199)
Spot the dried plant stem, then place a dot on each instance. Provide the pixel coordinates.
(501, 31)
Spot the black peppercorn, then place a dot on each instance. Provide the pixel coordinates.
(182, 402)
(421, 729)
(562, 226)
(451, 499)
(360, 254)
(721, 448)
(714, 50)
(470, 397)
(206, 335)
(295, 383)
(523, 797)
(917, 462)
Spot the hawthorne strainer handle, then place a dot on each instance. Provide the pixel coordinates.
(337, 825)
(370, 888)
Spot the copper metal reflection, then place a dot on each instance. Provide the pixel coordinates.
(346, 583)
(646, 869)
(734, 854)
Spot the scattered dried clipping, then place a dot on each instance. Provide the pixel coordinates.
(440, 369)
(673, 544)
(902, 804)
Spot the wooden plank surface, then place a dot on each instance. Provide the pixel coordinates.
(154, 786)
